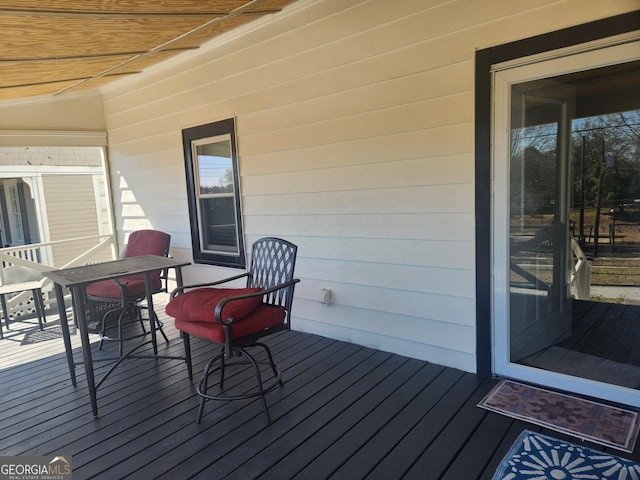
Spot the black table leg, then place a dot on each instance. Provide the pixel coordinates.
(79, 304)
(150, 311)
(66, 336)
(178, 276)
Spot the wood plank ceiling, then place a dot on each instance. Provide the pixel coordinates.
(49, 47)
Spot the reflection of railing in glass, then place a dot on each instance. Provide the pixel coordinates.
(580, 273)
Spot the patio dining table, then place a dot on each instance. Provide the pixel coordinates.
(76, 280)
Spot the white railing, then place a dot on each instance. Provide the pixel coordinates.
(36, 256)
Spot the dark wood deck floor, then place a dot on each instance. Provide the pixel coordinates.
(345, 412)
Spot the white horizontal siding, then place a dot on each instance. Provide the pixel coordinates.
(71, 213)
(384, 200)
(437, 226)
(355, 136)
(446, 144)
(450, 254)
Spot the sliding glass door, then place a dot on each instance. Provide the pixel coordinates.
(566, 140)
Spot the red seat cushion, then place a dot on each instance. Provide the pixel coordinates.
(263, 317)
(199, 305)
(110, 289)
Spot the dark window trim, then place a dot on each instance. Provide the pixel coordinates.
(222, 127)
(587, 32)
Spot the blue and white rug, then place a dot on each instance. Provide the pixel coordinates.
(534, 456)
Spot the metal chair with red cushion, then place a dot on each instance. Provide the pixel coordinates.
(236, 318)
(127, 292)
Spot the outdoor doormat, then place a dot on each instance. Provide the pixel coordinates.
(49, 333)
(602, 424)
(534, 456)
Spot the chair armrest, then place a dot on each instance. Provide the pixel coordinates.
(181, 289)
(261, 293)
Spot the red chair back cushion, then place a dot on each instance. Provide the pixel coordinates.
(199, 305)
(141, 242)
(147, 242)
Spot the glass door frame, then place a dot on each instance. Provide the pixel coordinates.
(503, 76)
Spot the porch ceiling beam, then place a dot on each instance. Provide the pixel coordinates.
(37, 12)
(84, 57)
(63, 80)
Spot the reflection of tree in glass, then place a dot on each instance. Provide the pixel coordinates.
(225, 184)
(227, 178)
(215, 174)
(533, 163)
(533, 149)
(619, 135)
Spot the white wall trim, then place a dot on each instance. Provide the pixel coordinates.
(52, 138)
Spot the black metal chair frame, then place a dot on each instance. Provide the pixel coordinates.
(277, 284)
(127, 305)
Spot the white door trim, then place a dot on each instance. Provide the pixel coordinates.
(502, 80)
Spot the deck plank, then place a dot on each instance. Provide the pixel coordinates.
(319, 432)
(436, 382)
(306, 396)
(345, 411)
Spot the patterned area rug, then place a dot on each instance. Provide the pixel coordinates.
(584, 419)
(534, 456)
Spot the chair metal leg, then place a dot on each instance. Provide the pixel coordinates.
(202, 400)
(123, 316)
(141, 320)
(187, 353)
(159, 325)
(200, 410)
(222, 365)
(203, 385)
(274, 368)
(261, 391)
(103, 328)
(39, 306)
(42, 309)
